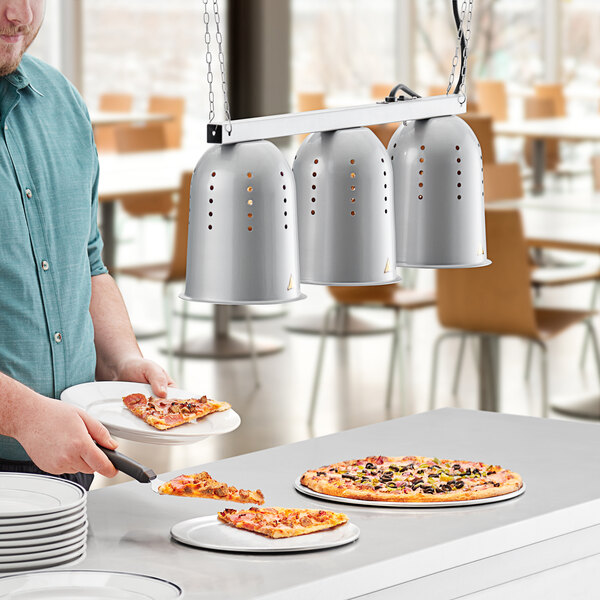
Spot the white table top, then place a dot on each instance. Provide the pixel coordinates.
(130, 525)
(120, 118)
(576, 129)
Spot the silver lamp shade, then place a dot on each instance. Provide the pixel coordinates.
(438, 193)
(243, 235)
(345, 209)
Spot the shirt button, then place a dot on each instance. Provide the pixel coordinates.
(57, 337)
(45, 265)
(28, 193)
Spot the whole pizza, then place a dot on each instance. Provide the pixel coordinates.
(412, 479)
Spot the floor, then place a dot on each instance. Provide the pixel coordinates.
(353, 385)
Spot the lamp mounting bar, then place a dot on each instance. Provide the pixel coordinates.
(404, 109)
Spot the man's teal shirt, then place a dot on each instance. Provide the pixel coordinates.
(49, 240)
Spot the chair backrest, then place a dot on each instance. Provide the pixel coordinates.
(179, 258)
(596, 172)
(175, 107)
(554, 92)
(502, 181)
(437, 90)
(363, 294)
(495, 299)
(482, 128)
(310, 101)
(116, 102)
(492, 99)
(537, 107)
(140, 138)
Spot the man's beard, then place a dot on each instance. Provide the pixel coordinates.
(6, 69)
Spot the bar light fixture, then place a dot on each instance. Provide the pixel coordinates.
(362, 211)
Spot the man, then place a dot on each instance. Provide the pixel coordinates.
(62, 318)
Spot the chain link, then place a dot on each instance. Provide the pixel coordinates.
(209, 73)
(464, 29)
(219, 38)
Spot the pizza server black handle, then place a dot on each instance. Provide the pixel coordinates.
(129, 466)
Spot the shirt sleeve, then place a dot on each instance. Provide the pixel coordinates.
(95, 244)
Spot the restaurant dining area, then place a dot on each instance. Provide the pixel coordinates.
(358, 234)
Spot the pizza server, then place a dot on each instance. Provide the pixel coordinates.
(132, 468)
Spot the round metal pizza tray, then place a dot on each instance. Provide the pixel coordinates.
(308, 492)
(211, 534)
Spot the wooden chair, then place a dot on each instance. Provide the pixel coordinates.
(134, 138)
(554, 92)
(596, 172)
(391, 297)
(496, 300)
(502, 181)
(542, 108)
(174, 106)
(492, 99)
(482, 128)
(310, 101)
(379, 91)
(105, 134)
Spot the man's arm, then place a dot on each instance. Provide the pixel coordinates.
(59, 438)
(118, 354)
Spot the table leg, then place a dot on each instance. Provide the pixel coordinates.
(224, 344)
(539, 165)
(489, 369)
(107, 213)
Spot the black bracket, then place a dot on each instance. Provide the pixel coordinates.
(214, 133)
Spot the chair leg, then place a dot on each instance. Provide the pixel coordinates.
(393, 353)
(594, 338)
(182, 336)
(436, 351)
(527, 372)
(319, 367)
(168, 308)
(544, 375)
(586, 337)
(253, 357)
(458, 367)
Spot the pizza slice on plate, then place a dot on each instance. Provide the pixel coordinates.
(277, 522)
(202, 485)
(164, 413)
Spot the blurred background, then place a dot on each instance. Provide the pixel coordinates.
(533, 88)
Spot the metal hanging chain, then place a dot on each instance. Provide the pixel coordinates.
(463, 25)
(219, 37)
(209, 74)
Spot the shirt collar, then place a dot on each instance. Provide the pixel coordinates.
(20, 80)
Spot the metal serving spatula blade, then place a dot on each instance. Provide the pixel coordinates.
(132, 468)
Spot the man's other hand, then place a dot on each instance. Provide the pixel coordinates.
(145, 371)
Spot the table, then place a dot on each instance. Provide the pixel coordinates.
(569, 129)
(122, 175)
(98, 117)
(401, 553)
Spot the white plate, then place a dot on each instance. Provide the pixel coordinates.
(7, 561)
(24, 494)
(33, 548)
(212, 534)
(37, 525)
(38, 518)
(104, 401)
(29, 565)
(45, 532)
(87, 585)
(304, 490)
(37, 540)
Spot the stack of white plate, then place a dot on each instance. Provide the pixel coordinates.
(43, 522)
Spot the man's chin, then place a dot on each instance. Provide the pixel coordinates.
(10, 65)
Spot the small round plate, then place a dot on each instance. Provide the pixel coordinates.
(45, 531)
(37, 525)
(26, 495)
(33, 539)
(37, 518)
(212, 534)
(104, 401)
(7, 561)
(308, 492)
(54, 545)
(45, 563)
(87, 585)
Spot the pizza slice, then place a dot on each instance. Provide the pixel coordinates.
(164, 413)
(276, 522)
(202, 485)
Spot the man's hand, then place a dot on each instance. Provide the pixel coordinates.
(59, 438)
(141, 370)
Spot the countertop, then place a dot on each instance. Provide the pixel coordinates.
(558, 460)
